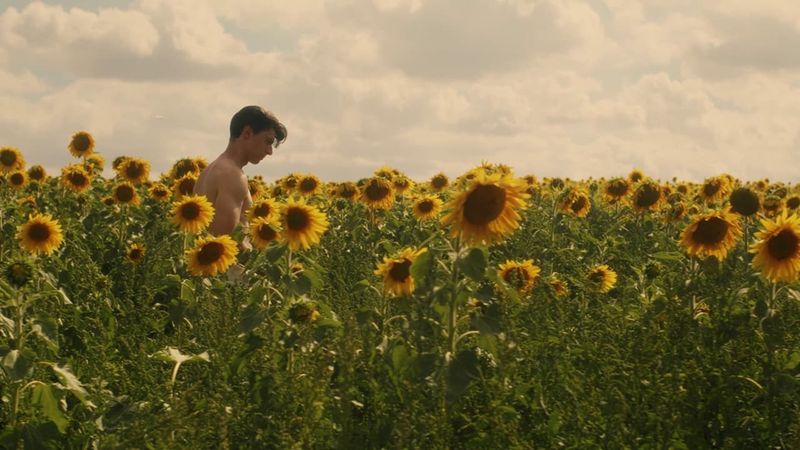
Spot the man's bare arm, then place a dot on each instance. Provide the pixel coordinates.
(228, 208)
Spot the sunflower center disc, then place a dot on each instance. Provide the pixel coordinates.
(8, 158)
(793, 203)
(484, 204)
(618, 189)
(710, 231)
(578, 204)
(134, 170)
(297, 219)
(77, 179)
(308, 185)
(261, 210)
(426, 206)
(439, 182)
(401, 271)
(39, 232)
(376, 191)
(36, 174)
(187, 186)
(647, 196)
(136, 254)
(210, 253)
(596, 276)
(266, 233)
(81, 143)
(711, 188)
(17, 179)
(190, 211)
(744, 202)
(783, 245)
(125, 194)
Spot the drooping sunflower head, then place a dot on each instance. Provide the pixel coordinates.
(575, 202)
(711, 234)
(211, 255)
(125, 194)
(616, 189)
(184, 166)
(346, 190)
(792, 203)
(18, 272)
(389, 173)
(635, 176)
(40, 235)
(81, 145)
(135, 253)
(256, 186)
(744, 202)
(601, 278)
(520, 275)
(37, 173)
(184, 185)
(18, 179)
(134, 170)
(118, 162)
(377, 193)
(487, 211)
(647, 196)
(777, 248)
(439, 182)
(396, 271)
(94, 163)
(308, 185)
(264, 230)
(427, 207)
(674, 212)
(192, 213)
(558, 286)
(401, 184)
(11, 159)
(75, 178)
(159, 192)
(303, 224)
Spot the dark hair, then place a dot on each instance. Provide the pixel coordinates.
(259, 120)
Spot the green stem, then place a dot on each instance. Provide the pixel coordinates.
(453, 312)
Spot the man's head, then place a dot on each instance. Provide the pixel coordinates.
(256, 130)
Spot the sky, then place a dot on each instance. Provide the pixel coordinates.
(676, 88)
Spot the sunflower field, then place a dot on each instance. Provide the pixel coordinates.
(487, 311)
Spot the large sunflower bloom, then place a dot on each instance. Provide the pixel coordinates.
(192, 213)
(75, 178)
(744, 201)
(777, 248)
(211, 255)
(11, 159)
(602, 278)
(308, 185)
(264, 230)
(647, 196)
(81, 145)
(396, 271)
(711, 234)
(520, 275)
(303, 225)
(427, 207)
(377, 193)
(134, 170)
(125, 194)
(41, 234)
(487, 209)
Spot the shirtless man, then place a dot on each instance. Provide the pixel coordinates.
(254, 132)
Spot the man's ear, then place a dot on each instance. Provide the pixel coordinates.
(247, 132)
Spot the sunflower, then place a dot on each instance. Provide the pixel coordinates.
(616, 189)
(772, 205)
(94, 163)
(29, 201)
(135, 253)
(264, 230)
(18, 272)
(674, 212)
(303, 224)
(519, 275)
(487, 209)
(715, 189)
(346, 190)
(576, 202)
(303, 311)
(377, 193)
(744, 202)
(647, 196)
(11, 159)
(75, 178)
(125, 194)
(396, 271)
(793, 202)
(18, 179)
(711, 234)
(262, 207)
(387, 172)
(308, 185)
(81, 145)
(427, 207)
(635, 176)
(602, 278)
(184, 185)
(402, 184)
(192, 213)
(256, 187)
(289, 182)
(159, 192)
(439, 182)
(134, 170)
(118, 161)
(777, 248)
(211, 255)
(108, 200)
(184, 166)
(558, 286)
(37, 173)
(41, 234)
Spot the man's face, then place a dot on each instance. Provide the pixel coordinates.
(259, 145)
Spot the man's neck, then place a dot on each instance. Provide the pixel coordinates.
(235, 154)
